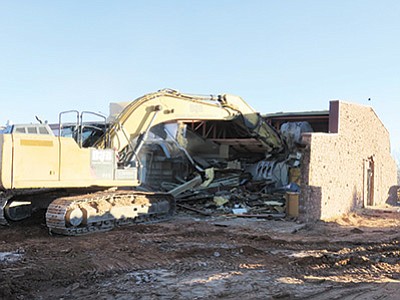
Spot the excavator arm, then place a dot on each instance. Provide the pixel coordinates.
(136, 119)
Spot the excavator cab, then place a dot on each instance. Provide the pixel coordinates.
(86, 133)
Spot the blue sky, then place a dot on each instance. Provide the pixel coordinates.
(277, 55)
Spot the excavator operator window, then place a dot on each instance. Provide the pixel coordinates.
(20, 130)
(85, 133)
(71, 131)
(90, 135)
(32, 130)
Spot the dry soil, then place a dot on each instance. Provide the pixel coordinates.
(195, 257)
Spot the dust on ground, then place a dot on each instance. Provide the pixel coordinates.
(195, 257)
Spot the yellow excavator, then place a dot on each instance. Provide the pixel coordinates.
(94, 176)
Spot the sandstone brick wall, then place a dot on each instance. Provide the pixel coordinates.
(334, 167)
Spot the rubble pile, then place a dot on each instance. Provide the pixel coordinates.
(235, 175)
(234, 192)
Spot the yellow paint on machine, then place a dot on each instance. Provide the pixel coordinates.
(5, 161)
(40, 143)
(35, 158)
(48, 162)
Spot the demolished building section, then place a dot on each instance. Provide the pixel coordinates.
(333, 162)
(219, 166)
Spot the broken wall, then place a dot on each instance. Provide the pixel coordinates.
(349, 167)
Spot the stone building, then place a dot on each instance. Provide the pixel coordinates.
(346, 161)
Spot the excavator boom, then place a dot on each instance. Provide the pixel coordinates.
(169, 106)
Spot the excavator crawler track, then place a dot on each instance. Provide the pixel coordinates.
(103, 211)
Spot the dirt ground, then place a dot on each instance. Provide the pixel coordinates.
(195, 257)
